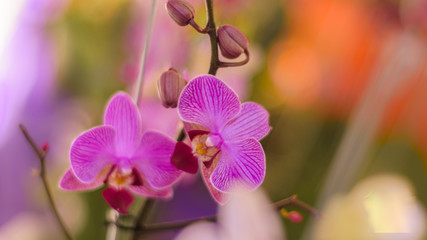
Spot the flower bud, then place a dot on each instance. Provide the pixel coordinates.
(232, 42)
(180, 11)
(45, 147)
(293, 216)
(170, 86)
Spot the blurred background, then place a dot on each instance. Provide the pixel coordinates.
(345, 82)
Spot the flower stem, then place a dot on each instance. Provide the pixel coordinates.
(235, 64)
(144, 53)
(42, 156)
(290, 201)
(210, 26)
(293, 201)
(142, 216)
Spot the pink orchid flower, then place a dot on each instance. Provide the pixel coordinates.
(224, 135)
(119, 154)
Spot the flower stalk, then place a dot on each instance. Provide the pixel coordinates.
(142, 216)
(144, 53)
(41, 154)
(290, 201)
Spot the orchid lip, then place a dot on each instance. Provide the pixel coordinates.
(119, 178)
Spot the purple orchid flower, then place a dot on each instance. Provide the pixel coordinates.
(224, 135)
(119, 154)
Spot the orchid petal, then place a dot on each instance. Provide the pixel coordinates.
(147, 191)
(252, 121)
(124, 116)
(220, 197)
(240, 164)
(91, 152)
(209, 102)
(119, 199)
(70, 182)
(153, 159)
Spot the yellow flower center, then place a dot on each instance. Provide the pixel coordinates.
(120, 179)
(202, 149)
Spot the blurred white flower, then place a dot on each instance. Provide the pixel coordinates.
(382, 207)
(248, 215)
(23, 226)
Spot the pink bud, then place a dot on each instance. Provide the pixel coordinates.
(294, 216)
(180, 11)
(232, 42)
(170, 86)
(45, 146)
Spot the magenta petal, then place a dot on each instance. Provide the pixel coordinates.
(147, 191)
(119, 200)
(153, 159)
(252, 121)
(91, 152)
(183, 158)
(124, 116)
(70, 182)
(241, 164)
(209, 102)
(220, 197)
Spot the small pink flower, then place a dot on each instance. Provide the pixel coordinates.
(224, 135)
(119, 154)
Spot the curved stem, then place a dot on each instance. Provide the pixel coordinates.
(42, 156)
(290, 201)
(144, 53)
(197, 27)
(293, 201)
(236, 64)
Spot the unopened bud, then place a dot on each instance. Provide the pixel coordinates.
(232, 42)
(180, 11)
(293, 216)
(45, 146)
(170, 86)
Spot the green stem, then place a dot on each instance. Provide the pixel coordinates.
(142, 216)
(42, 156)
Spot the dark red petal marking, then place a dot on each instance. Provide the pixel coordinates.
(119, 200)
(137, 178)
(183, 158)
(193, 133)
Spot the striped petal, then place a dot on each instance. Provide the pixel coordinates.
(91, 152)
(209, 102)
(70, 182)
(124, 116)
(241, 164)
(252, 121)
(153, 159)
